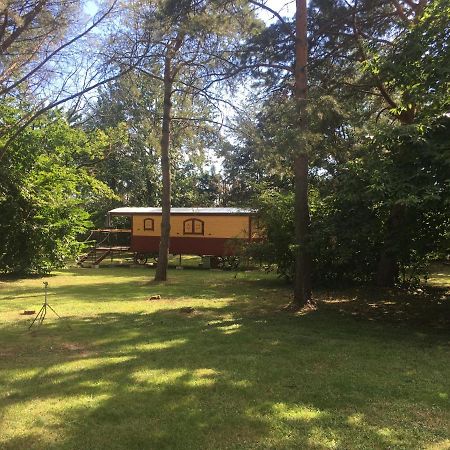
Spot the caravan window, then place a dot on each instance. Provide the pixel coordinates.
(194, 226)
(149, 225)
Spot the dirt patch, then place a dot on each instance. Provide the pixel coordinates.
(8, 353)
(75, 348)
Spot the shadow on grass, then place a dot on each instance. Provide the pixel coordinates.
(216, 285)
(228, 377)
(427, 307)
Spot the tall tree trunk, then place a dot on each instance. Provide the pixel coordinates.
(163, 256)
(302, 287)
(388, 261)
(388, 265)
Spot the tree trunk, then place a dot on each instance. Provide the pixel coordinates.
(388, 266)
(302, 287)
(388, 262)
(163, 256)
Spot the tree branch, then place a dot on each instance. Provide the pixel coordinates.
(275, 14)
(52, 54)
(52, 105)
(26, 21)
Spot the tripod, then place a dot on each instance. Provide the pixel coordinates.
(40, 316)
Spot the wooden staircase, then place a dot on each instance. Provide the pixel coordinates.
(94, 257)
(102, 247)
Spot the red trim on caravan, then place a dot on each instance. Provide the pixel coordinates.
(184, 245)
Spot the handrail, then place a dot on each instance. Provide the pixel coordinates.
(101, 242)
(95, 243)
(88, 238)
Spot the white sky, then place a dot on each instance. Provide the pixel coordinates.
(90, 7)
(286, 8)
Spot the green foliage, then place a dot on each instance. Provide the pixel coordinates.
(405, 168)
(419, 63)
(377, 134)
(356, 182)
(132, 106)
(276, 219)
(409, 169)
(194, 187)
(129, 166)
(45, 185)
(376, 126)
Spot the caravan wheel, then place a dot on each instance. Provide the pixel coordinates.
(140, 258)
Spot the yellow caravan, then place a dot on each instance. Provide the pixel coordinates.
(216, 232)
(193, 231)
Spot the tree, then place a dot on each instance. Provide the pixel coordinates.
(189, 47)
(366, 41)
(381, 62)
(42, 76)
(173, 46)
(130, 167)
(132, 104)
(45, 188)
(278, 69)
(302, 287)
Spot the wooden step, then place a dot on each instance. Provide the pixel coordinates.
(102, 257)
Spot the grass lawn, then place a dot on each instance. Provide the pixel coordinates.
(367, 370)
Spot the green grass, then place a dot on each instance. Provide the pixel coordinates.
(238, 371)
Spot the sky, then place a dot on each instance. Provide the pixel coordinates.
(285, 7)
(90, 8)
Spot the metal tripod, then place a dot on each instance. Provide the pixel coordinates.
(40, 316)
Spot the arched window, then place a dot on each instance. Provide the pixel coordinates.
(194, 226)
(149, 225)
